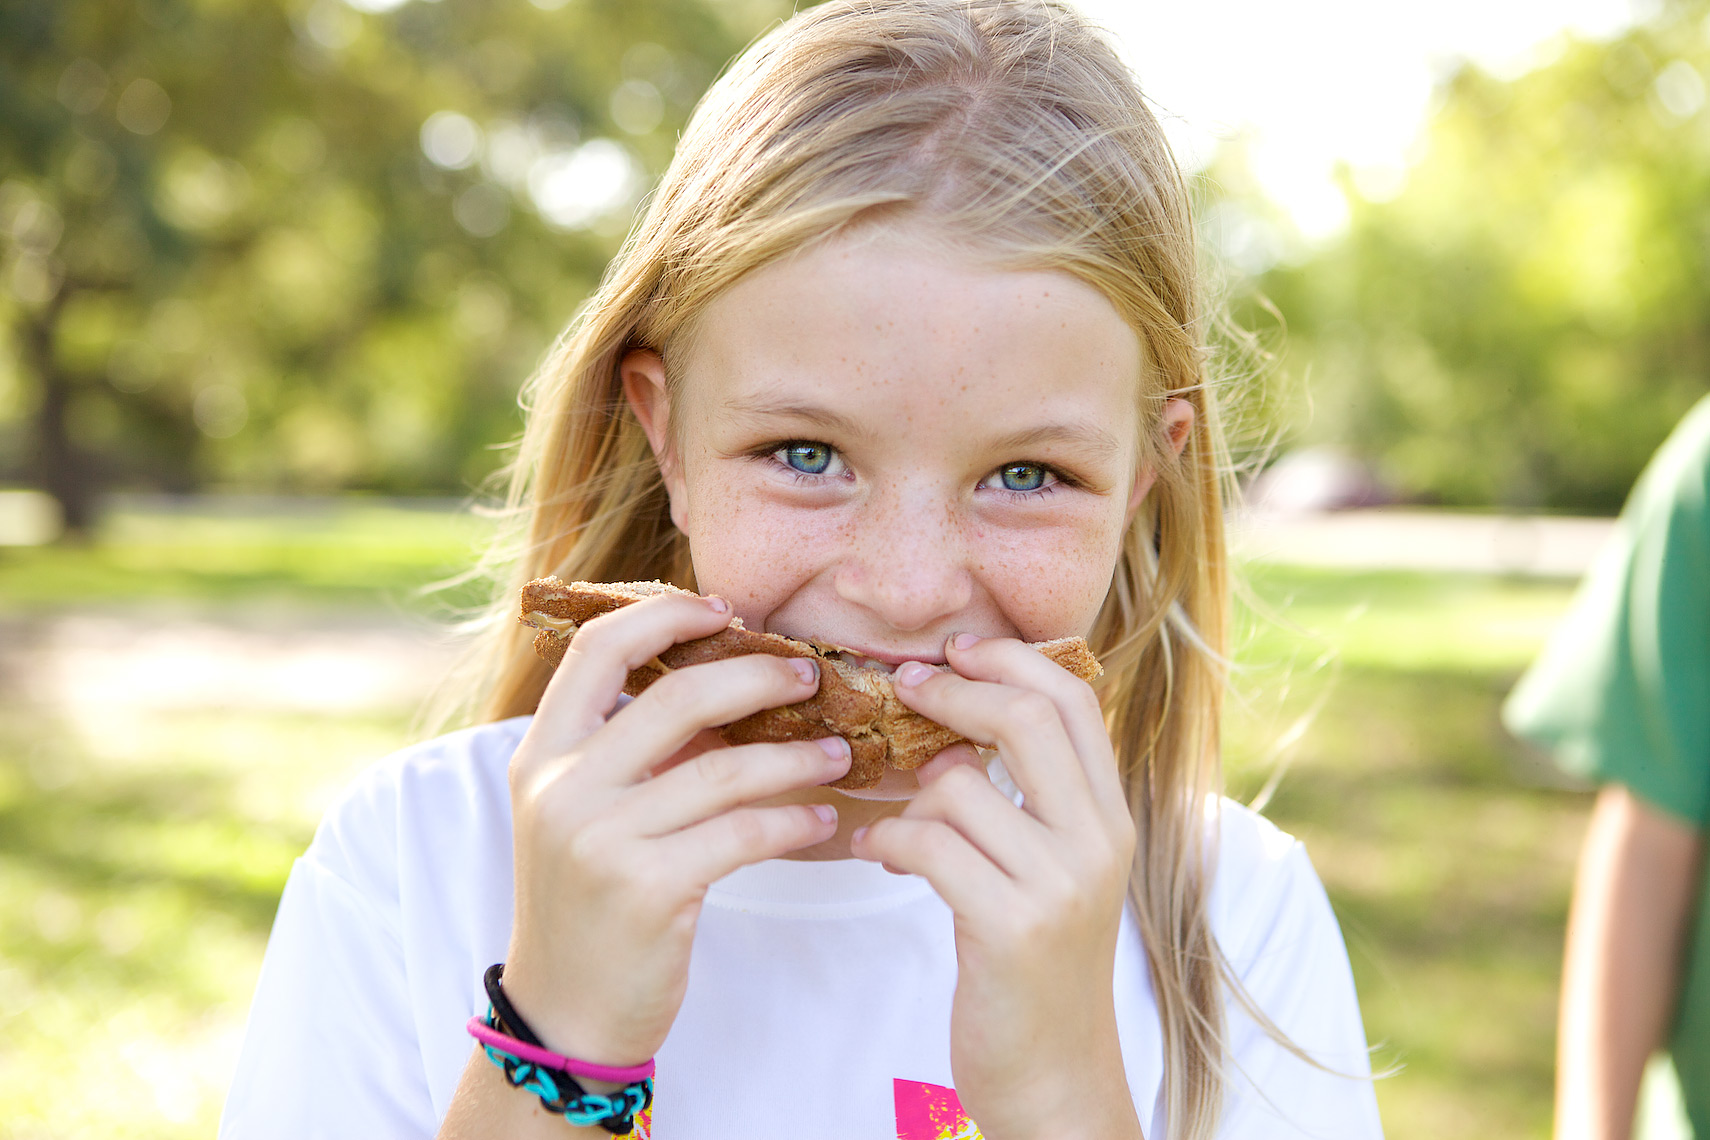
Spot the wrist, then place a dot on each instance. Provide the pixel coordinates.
(1083, 1097)
(562, 1021)
(580, 1091)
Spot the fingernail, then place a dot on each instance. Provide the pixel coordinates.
(718, 605)
(913, 673)
(859, 833)
(826, 813)
(807, 670)
(965, 640)
(835, 747)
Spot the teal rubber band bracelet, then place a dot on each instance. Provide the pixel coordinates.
(559, 1091)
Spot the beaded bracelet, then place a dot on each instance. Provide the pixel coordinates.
(529, 1065)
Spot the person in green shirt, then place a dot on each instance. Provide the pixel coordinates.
(1621, 695)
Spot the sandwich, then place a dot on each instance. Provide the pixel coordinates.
(853, 701)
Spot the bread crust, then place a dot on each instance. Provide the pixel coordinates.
(854, 702)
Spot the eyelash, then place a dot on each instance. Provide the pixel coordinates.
(769, 452)
(1038, 492)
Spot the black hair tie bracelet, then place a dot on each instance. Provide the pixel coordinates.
(530, 1066)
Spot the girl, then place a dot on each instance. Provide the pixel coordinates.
(906, 356)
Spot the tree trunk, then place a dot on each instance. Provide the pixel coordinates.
(59, 469)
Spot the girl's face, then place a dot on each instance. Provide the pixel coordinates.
(878, 447)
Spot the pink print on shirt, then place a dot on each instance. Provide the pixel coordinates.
(931, 1112)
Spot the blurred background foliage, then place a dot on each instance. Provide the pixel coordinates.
(1520, 320)
(315, 245)
(310, 245)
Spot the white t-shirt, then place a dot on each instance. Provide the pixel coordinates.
(819, 994)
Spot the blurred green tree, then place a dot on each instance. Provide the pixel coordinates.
(313, 244)
(1526, 319)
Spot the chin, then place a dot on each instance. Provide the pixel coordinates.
(892, 786)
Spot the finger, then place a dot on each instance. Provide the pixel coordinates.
(971, 884)
(955, 756)
(721, 779)
(1024, 725)
(963, 798)
(587, 684)
(647, 731)
(1006, 661)
(714, 848)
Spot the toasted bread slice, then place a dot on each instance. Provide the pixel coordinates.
(854, 702)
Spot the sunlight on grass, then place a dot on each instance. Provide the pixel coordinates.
(142, 848)
(1398, 621)
(135, 897)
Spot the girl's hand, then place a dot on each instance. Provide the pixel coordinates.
(621, 824)
(1037, 891)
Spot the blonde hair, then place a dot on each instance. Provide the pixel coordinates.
(1012, 129)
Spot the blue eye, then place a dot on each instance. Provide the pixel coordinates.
(1023, 476)
(808, 458)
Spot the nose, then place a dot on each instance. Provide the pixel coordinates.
(907, 561)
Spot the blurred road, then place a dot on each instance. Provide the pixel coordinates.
(94, 667)
(1435, 541)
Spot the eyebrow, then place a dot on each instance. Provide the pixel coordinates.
(769, 408)
(1082, 433)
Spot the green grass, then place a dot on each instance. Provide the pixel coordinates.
(139, 867)
(138, 879)
(1447, 849)
(330, 551)
(141, 857)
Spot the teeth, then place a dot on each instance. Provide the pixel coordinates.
(861, 662)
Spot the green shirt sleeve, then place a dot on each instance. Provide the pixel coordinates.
(1622, 692)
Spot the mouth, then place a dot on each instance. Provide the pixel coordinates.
(861, 662)
(878, 659)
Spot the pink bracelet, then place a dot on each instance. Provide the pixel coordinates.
(620, 1075)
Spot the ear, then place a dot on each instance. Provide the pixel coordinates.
(642, 372)
(1176, 423)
